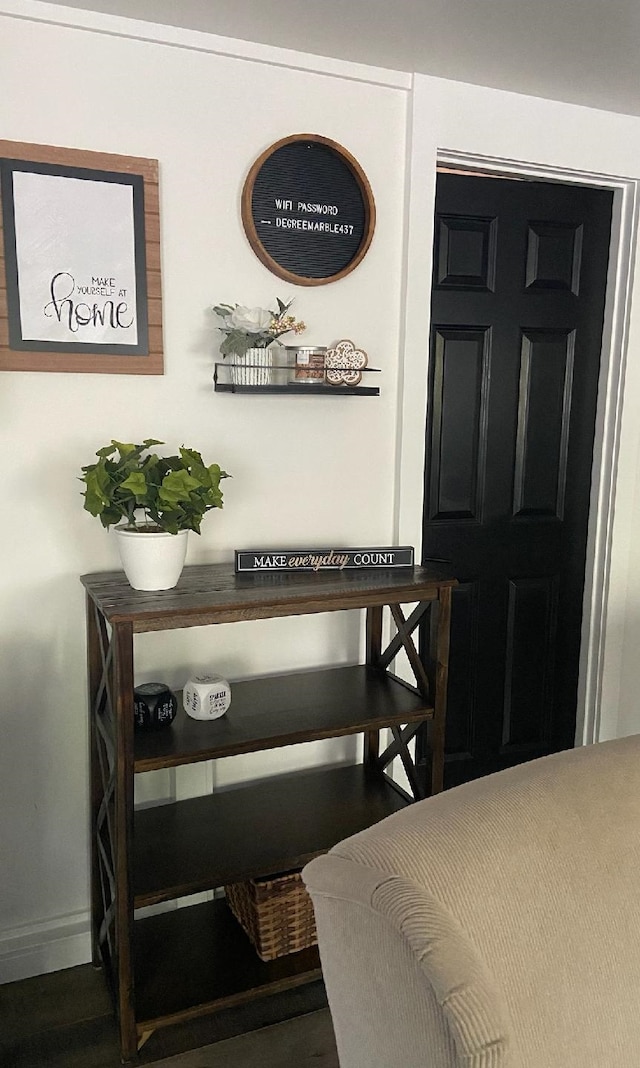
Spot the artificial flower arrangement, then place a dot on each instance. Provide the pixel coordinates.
(150, 492)
(254, 328)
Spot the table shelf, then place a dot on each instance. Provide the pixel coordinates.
(197, 960)
(279, 710)
(269, 826)
(192, 960)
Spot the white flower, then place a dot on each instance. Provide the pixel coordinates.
(251, 320)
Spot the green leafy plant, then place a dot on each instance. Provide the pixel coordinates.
(151, 492)
(254, 328)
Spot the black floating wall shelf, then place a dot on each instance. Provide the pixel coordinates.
(278, 379)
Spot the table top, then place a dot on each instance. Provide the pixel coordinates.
(214, 593)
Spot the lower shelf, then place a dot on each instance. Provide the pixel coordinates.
(276, 824)
(195, 960)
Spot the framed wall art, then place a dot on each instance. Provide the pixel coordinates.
(80, 285)
(308, 210)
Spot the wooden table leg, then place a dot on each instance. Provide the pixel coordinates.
(373, 654)
(437, 733)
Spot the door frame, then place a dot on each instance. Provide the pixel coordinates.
(413, 386)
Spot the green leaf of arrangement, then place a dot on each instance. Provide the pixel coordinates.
(96, 498)
(108, 450)
(171, 521)
(154, 471)
(131, 458)
(213, 497)
(136, 484)
(214, 494)
(110, 516)
(235, 344)
(176, 487)
(125, 448)
(191, 457)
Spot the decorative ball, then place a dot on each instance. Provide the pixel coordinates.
(154, 706)
(206, 697)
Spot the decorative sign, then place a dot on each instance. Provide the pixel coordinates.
(323, 559)
(75, 250)
(308, 210)
(75, 258)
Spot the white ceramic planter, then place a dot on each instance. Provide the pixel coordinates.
(152, 560)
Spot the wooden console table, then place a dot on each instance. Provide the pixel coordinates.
(191, 961)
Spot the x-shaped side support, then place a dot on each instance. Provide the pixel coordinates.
(403, 639)
(104, 697)
(399, 747)
(104, 715)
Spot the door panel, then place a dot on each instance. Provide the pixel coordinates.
(542, 437)
(530, 646)
(554, 256)
(466, 256)
(460, 404)
(517, 307)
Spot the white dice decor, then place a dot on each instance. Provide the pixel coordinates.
(206, 697)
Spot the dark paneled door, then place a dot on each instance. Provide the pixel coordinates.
(517, 306)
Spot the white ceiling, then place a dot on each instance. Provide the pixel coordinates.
(580, 51)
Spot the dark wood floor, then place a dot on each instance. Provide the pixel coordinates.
(65, 1020)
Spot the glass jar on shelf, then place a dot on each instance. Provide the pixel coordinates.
(307, 363)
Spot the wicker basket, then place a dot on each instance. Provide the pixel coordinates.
(275, 912)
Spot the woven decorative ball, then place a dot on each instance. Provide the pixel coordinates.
(344, 363)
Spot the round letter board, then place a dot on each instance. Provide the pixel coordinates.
(308, 210)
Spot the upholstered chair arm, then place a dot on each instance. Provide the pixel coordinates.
(373, 924)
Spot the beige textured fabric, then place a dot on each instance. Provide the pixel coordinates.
(453, 973)
(517, 899)
(466, 995)
(384, 1011)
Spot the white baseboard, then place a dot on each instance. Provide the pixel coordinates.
(36, 948)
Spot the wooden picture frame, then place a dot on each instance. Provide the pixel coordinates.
(87, 313)
(267, 223)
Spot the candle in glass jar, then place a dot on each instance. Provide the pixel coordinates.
(309, 366)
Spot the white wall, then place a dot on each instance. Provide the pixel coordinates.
(313, 470)
(305, 469)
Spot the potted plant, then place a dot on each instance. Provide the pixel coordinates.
(160, 499)
(248, 335)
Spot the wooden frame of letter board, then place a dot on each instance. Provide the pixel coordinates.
(252, 233)
(86, 362)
